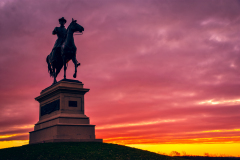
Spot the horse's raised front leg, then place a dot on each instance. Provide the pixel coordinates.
(76, 65)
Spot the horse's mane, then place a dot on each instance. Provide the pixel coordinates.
(68, 29)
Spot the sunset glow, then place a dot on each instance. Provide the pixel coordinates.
(163, 75)
(216, 150)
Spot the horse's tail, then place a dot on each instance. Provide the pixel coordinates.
(49, 67)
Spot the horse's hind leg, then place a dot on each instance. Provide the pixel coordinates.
(76, 65)
(54, 76)
(65, 66)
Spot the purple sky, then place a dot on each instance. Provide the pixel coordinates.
(158, 71)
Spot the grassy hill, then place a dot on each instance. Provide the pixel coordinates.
(78, 151)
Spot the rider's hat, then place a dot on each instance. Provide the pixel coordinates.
(62, 19)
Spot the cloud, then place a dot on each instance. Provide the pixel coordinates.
(144, 61)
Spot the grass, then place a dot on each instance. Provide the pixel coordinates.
(78, 151)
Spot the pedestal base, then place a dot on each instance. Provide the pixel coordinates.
(64, 133)
(61, 115)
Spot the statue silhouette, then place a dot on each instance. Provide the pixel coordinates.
(64, 49)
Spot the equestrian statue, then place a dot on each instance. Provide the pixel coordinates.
(64, 49)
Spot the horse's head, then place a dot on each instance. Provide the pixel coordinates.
(74, 26)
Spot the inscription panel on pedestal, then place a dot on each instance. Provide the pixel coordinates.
(73, 103)
(50, 107)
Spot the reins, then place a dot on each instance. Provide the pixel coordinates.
(79, 33)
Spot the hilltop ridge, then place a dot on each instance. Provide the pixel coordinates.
(78, 151)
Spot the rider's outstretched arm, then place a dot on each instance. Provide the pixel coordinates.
(54, 31)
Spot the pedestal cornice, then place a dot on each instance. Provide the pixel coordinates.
(63, 86)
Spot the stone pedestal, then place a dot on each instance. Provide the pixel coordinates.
(61, 115)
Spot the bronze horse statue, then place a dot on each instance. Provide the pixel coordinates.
(67, 53)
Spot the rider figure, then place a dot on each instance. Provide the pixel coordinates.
(61, 33)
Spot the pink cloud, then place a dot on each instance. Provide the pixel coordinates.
(143, 61)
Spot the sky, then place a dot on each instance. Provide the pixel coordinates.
(163, 75)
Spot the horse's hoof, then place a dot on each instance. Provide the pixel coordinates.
(74, 76)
